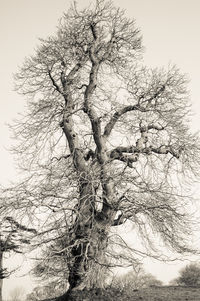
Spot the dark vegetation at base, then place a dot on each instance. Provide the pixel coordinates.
(165, 293)
(93, 294)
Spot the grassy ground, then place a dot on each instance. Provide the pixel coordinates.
(166, 293)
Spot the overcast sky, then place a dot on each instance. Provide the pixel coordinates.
(171, 34)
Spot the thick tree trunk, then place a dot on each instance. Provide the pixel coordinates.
(90, 235)
(81, 233)
(85, 254)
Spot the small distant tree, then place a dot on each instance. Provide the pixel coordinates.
(190, 275)
(136, 279)
(151, 280)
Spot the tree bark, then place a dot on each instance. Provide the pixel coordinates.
(81, 232)
(89, 235)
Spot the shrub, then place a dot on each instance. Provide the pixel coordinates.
(190, 275)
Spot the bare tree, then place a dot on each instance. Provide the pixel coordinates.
(104, 141)
(134, 280)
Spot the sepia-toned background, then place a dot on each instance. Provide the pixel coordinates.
(171, 34)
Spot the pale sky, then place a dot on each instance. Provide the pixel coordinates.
(171, 34)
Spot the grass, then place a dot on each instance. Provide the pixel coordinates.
(165, 293)
(168, 293)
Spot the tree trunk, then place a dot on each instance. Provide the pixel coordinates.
(86, 254)
(81, 233)
(90, 234)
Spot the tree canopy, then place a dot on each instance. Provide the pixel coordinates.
(105, 140)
